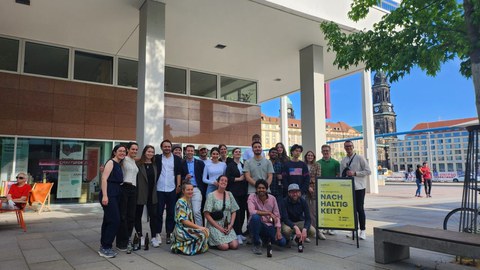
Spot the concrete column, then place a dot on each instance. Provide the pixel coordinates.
(369, 142)
(284, 122)
(312, 98)
(151, 74)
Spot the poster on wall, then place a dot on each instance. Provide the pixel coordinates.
(70, 170)
(8, 146)
(335, 203)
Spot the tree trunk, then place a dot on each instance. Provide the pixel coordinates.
(476, 85)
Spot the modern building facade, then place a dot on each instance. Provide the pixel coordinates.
(445, 150)
(80, 76)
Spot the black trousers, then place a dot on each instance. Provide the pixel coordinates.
(428, 186)
(240, 217)
(359, 204)
(153, 218)
(166, 201)
(128, 206)
(111, 215)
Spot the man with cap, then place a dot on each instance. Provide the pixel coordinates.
(203, 153)
(296, 217)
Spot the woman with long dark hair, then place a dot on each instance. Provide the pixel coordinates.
(213, 170)
(282, 153)
(109, 196)
(147, 193)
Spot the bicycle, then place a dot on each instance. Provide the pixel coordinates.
(463, 219)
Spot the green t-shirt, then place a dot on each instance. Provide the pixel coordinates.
(330, 168)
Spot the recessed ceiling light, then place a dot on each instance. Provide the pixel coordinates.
(278, 79)
(23, 2)
(220, 46)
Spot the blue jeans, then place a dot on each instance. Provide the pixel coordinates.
(258, 229)
(166, 200)
(419, 188)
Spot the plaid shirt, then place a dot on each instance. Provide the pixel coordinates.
(276, 188)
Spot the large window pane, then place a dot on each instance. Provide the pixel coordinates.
(238, 90)
(46, 60)
(8, 54)
(127, 72)
(93, 67)
(175, 80)
(7, 146)
(202, 84)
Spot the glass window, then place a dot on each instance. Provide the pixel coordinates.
(203, 84)
(238, 90)
(175, 80)
(93, 67)
(459, 166)
(441, 167)
(46, 60)
(127, 72)
(6, 162)
(9, 54)
(72, 165)
(439, 135)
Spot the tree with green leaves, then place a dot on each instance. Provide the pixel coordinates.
(423, 33)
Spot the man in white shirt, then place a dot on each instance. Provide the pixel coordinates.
(356, 166)
(168, 186)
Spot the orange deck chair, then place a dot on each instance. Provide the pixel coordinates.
(40, 194)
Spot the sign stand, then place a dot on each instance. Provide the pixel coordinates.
(335, 206)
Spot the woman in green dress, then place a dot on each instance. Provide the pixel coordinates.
(188, 237)
(220, 226)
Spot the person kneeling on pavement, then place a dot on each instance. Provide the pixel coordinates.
(296, 217)
(264, 219)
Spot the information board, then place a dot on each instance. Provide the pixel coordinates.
(336, 203)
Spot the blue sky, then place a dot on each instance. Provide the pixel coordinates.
(416, 98)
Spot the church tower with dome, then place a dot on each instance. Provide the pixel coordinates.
(384, 117)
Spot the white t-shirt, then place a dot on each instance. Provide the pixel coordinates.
(166, 179)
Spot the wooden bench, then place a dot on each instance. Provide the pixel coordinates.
(392, 243)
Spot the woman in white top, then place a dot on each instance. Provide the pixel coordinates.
(128, 197)
(213, 170)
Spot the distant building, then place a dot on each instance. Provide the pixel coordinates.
(445, 151)
(335, 131)
(384, 117)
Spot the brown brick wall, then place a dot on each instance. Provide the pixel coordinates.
(35, 106)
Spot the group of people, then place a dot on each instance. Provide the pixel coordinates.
(423, 176)
(207, 200)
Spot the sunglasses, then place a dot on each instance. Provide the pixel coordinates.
(20, 177)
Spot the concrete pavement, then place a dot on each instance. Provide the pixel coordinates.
(68, 238)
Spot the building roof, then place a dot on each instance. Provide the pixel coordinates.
(444, 123)
(295, 123)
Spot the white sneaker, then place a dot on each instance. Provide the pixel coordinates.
(362, 235)
(239, 239)
(159, 238)
(142, 241)
(331, 232)
(243, 237)
(155, 243)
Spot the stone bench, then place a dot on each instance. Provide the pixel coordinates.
(392, 243)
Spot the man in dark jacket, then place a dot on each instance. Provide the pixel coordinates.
(296, 217)
(168, 186)
(192, 172)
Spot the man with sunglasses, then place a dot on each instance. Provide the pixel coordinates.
(17, 194)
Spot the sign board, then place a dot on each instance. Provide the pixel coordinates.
(336, 203)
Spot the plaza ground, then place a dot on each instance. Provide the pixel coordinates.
(68, 238)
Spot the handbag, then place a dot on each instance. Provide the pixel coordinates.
(344, 172)
(218, 215)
